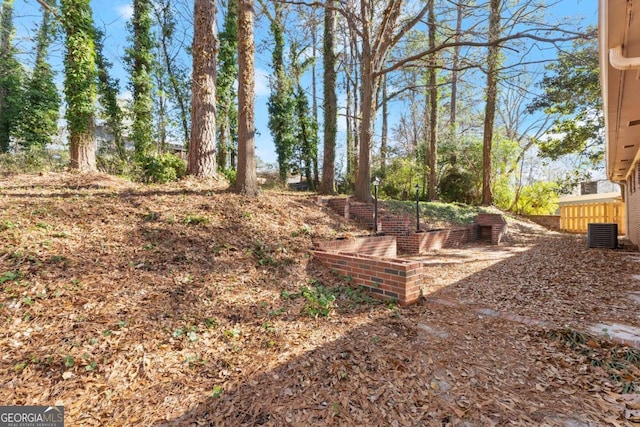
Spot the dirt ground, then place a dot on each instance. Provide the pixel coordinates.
(186, 305)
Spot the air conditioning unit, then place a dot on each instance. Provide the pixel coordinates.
(602, 235)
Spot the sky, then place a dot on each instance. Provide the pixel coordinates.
(113, 16)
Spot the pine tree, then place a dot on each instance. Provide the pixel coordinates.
(202, 146)
(246, 179)
(493, 58)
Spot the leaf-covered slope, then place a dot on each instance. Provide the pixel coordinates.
(186, 305)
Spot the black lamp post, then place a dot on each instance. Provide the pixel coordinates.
(417, 208)
(376, 182)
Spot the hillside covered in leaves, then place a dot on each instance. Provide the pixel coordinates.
(183, 304)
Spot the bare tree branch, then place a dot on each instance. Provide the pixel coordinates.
(52, 10)
(522, 35)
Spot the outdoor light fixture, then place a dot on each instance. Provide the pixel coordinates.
(376, 183)
(417, 207)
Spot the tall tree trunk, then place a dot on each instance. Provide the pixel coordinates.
(385, 128)
(330, 101)
(40, 100)
(202, 146)
(490, 107)
(80, 82)
(349, 148)
(355, 112)
(108, 90)
(141, 57)
(281, 103)
(368, 90)
(433, 106)
(246, 179)
(456, 65)
(314, 94)
(226, 93)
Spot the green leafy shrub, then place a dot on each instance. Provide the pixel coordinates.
(230, 174)
(163, 168)
(540, 198)
(399, 178)
(320, 300)
(459, 185)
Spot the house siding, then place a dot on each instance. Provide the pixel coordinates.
(632, 190)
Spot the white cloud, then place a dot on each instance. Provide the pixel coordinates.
(125, 11)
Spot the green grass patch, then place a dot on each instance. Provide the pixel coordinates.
(437, 212)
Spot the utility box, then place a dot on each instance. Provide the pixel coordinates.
(602, 235)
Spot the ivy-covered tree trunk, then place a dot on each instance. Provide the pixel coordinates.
(202, 147)
(304, 125)
(327, 185)
(456, 65)
(246, 179)
(281, 102)
(11, 75)
(433, 106)
(108, 90)
(41, 102)
(490, 106)
(141, 58)
(227, 119)
(314, 90)
(80, 82)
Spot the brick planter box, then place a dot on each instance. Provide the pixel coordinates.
(389, 278)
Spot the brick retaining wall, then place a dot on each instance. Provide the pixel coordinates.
(381, 246)
(360, 258)
(417, 243)
(389, 278)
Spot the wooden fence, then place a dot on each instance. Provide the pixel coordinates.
(575, 218)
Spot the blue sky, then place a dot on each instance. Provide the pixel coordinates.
(113, 17)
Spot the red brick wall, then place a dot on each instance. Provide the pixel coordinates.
(496, 222)
(340, 206)
(381, 246)
(387, 278)
(633, 210)
(416, 243)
